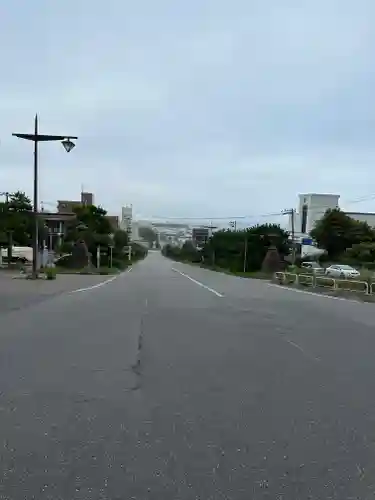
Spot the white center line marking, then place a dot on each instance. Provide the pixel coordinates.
(198, 282)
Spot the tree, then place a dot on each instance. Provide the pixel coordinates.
(138, 251)
(187, 252)
(230, 250)
(361, 253)
(336, 232)
(120, 253)
(148, 234)
(16, 221)
(20, 218)
(91, 226)
(120, 239)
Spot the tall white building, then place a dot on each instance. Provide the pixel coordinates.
(127, 220)
(313, 206)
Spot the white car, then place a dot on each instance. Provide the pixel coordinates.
(342, 271)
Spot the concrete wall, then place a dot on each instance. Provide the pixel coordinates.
(363, 217)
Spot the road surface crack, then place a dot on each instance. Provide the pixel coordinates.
(137, 367)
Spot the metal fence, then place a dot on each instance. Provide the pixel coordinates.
(325, 282)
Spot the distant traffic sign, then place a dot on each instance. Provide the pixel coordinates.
(307, 241)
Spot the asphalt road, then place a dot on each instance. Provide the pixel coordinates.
(155, 387)
(17, 293)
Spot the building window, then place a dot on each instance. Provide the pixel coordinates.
(304, 219)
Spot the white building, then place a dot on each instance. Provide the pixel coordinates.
(363, 217)
(312, 207)
(127, 220)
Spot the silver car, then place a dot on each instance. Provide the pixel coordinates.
(342, 271)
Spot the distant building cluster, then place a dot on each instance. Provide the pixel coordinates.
(57, 221)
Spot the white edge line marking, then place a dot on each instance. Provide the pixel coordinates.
(98, 285)
(198, 283)
(321, 295)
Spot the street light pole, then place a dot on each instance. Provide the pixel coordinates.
(36, 138)
(35, 206)
(245, 254)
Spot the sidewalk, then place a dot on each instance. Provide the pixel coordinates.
(17, 293)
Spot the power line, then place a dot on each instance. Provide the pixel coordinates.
(264, 215)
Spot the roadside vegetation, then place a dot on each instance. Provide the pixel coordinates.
(345, 240)
(88, 236)
(243, 253)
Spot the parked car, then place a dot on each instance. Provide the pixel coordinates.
(312, 267)
(342, 271)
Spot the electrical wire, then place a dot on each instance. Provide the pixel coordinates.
(256, 216)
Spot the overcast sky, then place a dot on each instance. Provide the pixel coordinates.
(191, 108)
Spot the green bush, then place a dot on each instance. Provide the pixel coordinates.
(121, 263)
(50, 273)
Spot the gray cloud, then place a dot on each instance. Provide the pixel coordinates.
(191, 108)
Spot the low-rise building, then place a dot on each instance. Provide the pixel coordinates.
(56, 226)
(57, 222)
(68, 206)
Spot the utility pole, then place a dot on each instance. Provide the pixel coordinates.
(245, 254)
(292, 212)
(210, 228)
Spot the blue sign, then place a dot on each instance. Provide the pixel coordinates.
(307, 241)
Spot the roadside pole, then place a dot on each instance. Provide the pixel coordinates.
(293, 239)
(111, 256)
(98, 257)
(292, 212)
(245, 255)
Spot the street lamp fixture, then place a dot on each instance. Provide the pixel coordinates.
(68, 144)
(36, 138)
